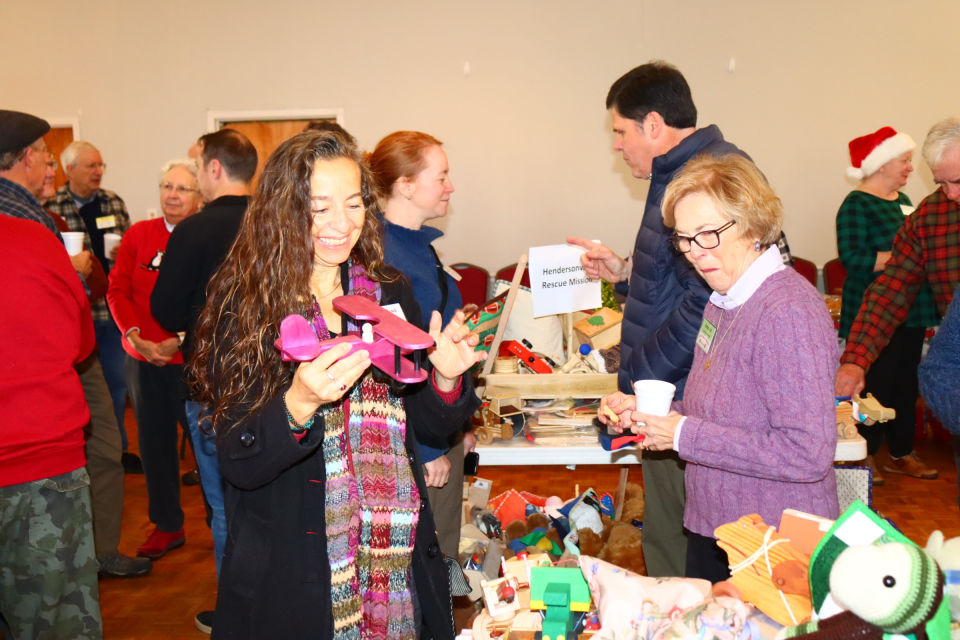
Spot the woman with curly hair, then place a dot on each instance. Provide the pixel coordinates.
(329, 532)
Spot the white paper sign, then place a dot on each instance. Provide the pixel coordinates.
(558, 281)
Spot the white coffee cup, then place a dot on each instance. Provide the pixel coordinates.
(654, 397)
(110, 241)
(73, 241)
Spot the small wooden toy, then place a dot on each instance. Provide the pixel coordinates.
(527, 357)
(560, 591)
(492, 427)
(385, 336)
(607, 411)
(520, 566)
(500, 597)
(873, 410)
(767, 569)
(600, 330)
(851, 411)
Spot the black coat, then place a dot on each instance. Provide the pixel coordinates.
(196, 249)
(275, 576)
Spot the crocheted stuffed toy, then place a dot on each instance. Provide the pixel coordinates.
(947, 555)
(887, 590)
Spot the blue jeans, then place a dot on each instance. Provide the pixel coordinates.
(112, 359)
(205, 452)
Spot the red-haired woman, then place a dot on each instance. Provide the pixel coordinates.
(413, 185)
(328, 535)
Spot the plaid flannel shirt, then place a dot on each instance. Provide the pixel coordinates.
(926, 249)
(111, 204)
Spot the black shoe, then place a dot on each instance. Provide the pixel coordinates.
(131, 463)
(190, 478)
(204, 621)
(118, 565)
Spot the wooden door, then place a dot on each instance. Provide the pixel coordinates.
(57, 140)
(267, 135)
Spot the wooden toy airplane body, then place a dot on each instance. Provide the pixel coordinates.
(392, 338)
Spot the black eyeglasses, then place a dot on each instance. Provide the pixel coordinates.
(704, 239)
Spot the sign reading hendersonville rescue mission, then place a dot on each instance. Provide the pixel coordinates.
(558, 281)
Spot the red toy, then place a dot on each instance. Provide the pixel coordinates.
(384, 335)
(527, 358)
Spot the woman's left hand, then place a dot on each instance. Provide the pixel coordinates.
(454, 352)
(659, 430)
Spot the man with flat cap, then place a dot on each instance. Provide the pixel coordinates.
(47, 552)
(24, 164)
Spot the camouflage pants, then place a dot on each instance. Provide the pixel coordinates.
(48, 568)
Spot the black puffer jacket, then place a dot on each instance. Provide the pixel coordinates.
(666, 296)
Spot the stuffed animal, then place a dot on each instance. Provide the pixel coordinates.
(888, 590)
(624, 548)
(947, 555)
(633, 503)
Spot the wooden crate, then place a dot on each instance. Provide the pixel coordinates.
(544, 386)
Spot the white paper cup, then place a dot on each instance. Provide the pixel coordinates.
(110, 241)
(73, 240)
(654, 397)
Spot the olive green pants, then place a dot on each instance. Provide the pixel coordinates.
(664, 538)
(446, 503)
(48, 568)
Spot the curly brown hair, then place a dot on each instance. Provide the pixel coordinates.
(235, 368)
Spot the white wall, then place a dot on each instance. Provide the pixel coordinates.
(527, 134)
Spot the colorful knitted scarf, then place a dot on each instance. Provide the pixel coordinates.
(372, 503)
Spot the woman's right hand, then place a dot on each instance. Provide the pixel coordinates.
(324, 380)
(622, 405)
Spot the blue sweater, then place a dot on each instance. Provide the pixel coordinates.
(940, 371)
(409, 251)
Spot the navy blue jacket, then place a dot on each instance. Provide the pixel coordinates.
(409, 251)
(666, 296)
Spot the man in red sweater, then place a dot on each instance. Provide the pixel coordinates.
(46, 529)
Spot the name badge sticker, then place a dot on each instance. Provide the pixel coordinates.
(106, 222)
(395, 310)
(705, 337)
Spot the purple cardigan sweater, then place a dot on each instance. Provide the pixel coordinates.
(760, 434)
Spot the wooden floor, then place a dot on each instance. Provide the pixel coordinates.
(162, 605)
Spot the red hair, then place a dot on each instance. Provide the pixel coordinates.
(401, 154)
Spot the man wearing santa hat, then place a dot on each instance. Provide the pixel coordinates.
(925, 250)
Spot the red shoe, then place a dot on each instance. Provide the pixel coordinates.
(159, 542)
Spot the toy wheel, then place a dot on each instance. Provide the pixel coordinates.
(484, 436)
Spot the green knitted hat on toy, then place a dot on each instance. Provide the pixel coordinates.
(897, 587)
(922, 600)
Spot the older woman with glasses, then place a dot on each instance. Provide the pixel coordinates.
(154, 365)
(757, 424)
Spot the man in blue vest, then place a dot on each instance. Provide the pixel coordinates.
(655, 122)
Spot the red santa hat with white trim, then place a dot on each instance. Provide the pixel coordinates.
(869, 153)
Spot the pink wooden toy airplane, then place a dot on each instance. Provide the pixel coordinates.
(394, 337)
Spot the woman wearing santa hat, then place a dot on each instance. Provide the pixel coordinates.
(867, 223)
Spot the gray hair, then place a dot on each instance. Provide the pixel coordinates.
(943, 136)
(187, 163)
(9, 159)
(68, 157)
